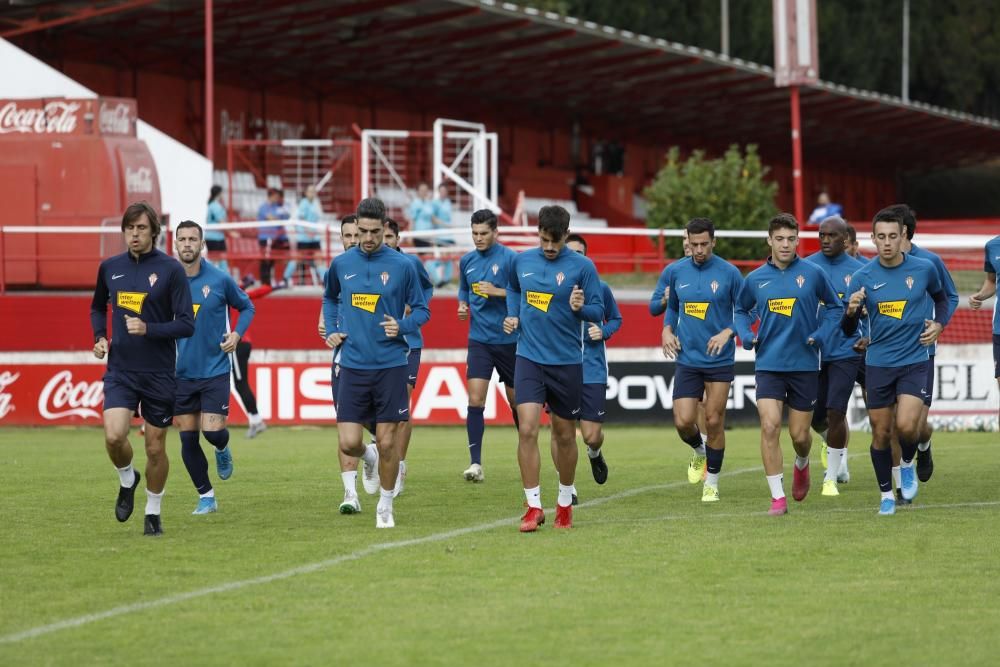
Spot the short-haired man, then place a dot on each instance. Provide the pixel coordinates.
(698, 331)
(482, 298)
(150, 309)
(367, 291)
(840, 361)
(893, 290)
(203, 363)
(798, 308)
(416, 343)
(989, 289)
(853, 247)
(271, 237)
(551, 293)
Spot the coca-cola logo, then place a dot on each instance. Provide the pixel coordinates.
(139, 180)
(7, 400)
(115, 120)
(55, 117)
(62, 397)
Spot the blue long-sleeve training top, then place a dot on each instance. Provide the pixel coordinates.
(153, 288)
(595, 357)
(701, 303)
(369, 287)
(656, 304)
(213, 293)
(992, 265)
(494, 266)
(794, 304)
(839, 269)
(416, 340)
(896, 304)
(539, 292)
(947, 284)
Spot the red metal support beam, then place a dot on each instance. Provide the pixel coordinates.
(797, 155)
(209, 84)
(82, 14)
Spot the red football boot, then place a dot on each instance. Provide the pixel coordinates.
(532, 519)
(800, 483)
(564, 516)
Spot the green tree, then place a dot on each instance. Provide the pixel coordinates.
(730, 190)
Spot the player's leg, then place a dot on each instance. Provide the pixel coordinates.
(241, 379)
(391, 402)
(119, 449)
(802, 388)
(716, 397)
(479, 370)
(592, 409)
(404, 433)
(907, 424)
(839, 385)
(355, 407)
(348, 464)
(564, 394)
(529, 387)
(925, 461)
(157, 396)
(820, 420)
(187, 413)
(214, 411)
(689, 389)
(769, 410)
(881, 392)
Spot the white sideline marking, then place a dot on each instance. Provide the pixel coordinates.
(86, 619)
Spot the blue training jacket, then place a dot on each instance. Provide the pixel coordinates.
(794, 304)
(538, 293)
(213, 293)
(495, 266)
(992, 265)
(839, 270)
(595, 358)
(152, 288)
(368, 287)
(947, 284)
(700, 304)
(416, 340)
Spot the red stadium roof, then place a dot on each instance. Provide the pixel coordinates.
(482, 52)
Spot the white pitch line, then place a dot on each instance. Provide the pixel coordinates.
(309, 568)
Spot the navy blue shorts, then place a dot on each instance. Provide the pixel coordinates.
(885, 384)
(210, 395)
(689, 381)
(334, 377)
(836, 383)
(862, 375)
(150, 394)
(996, 355)
(592, 402)
(559, 387)
(929, 383)
(378, 395)
(796, 388)
(413, 365)
(483, 358)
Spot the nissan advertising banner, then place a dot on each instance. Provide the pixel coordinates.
(299, 393)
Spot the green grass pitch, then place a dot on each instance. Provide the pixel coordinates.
(649, 575)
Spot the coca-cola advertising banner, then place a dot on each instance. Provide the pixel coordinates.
(108, 116)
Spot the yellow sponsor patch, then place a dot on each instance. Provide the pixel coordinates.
(892, 309)
(132, 301)
(781, 306)
(197, 307)
(539, 300)
(365, 301)
(479, 292)
(696, 309)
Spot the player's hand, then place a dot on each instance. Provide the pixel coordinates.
(135, 326)
(229, 342)
(334, 340)
(861, 344)
(856, 300)
(321, 327)
(664, 299)
(595, 332)
(463, 311)
(576, 298)
(390, 325)
(670, 343)
(717, 342)
(487, 288)
(932, 330)
(975, 302)
(101, 348)
(811, 342)
(510, 324)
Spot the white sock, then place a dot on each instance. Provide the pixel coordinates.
(534, 497)
(895, 477)
(210, 494)
(888, 495)
(823, 435)
(255, 419)
(127, 476)
(843, 463)
(833, 462)
(350, 480)
(712, 479)
(565, 495)
(924, 446)
(700, 451)
(402, 467)
(801, 462)
(593, 453)
(371, 454)
(385, 500)
(153, 501)
(774, 482)
(906, 464)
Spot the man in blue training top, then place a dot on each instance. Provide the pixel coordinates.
(891, 292)
(367, 291)
(593, 398)
(989, 288)
(482, 298)
(925, 461)
(416, 343)
(798, 309)
(150, 308)
(552, 292)
(203, 363)
(839, 368)
(698, 331)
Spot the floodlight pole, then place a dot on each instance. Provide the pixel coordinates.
(209, 85)
(906, 51)
(797, 155)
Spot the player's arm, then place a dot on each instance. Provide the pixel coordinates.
(948, 285)
(657, 302)
(99, 314)
(612, 315)
(513, 319)
(239, 300)
(592, 309)
(833, 311)
(331, 305)
(420, 311)
(853, 308)
(988, 290)
(742, 318)
(182, 326)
